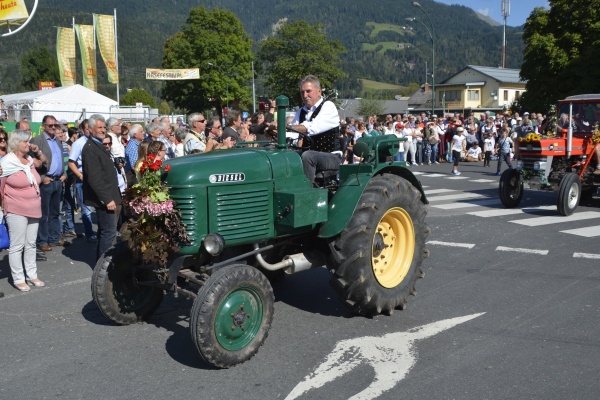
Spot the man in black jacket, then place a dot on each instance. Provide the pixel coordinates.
(100, 184)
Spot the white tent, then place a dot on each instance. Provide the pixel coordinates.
(67, 102)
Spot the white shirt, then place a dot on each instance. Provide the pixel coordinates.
(117, 149)
(328, 118)
(457, 141)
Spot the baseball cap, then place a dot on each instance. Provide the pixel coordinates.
(525, 113)
(399, 125)
(519, 119)
(63, 122)
(460, 129)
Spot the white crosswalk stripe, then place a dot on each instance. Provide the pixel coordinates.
(590, 231)
(474, 203)
(539, 221)
(501, 212)
(459, 196)
(435, 191)
(458, 177)
(484, 180)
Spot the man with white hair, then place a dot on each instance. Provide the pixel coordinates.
(136, 136)
(165, 133)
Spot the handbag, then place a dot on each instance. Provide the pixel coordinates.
(4, 238)
(433, 140)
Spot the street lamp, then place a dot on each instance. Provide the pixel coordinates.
(431, 34)
(226, 83)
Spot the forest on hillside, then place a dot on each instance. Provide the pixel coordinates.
(461, 38)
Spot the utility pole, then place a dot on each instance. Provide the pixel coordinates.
(505, 14)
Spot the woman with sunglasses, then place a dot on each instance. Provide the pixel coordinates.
(22, 206)
(3, 143)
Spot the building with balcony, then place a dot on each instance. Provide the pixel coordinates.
(474, 88)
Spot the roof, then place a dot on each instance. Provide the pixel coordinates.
(504, 75)
(75, 94)
(584, 97)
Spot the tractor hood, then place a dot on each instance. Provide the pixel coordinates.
(219, 166)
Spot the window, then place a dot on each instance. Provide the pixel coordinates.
(473, 95)
(517, 94)
(449, 95)
(506, 95)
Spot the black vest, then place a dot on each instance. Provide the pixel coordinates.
(327, 141)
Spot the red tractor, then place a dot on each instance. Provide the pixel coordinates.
(561, 159)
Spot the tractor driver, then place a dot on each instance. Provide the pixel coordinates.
(320, 120)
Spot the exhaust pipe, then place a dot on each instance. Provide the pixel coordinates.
(294, 262)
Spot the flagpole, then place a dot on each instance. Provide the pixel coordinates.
(117, 57)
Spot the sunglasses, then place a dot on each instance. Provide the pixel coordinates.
(201, 121)
(53, 125)
(107, 144)
(2, 139)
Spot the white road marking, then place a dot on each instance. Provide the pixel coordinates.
(459, 196)
(539, 221)
(391, 356)
(517, 250)
(590, 231)
(474, 203)
(465, 245)
(587, 255)
(458, 177)
(418, 173)
(510, 211)
(434, 191)
(484, 180)
(434, 175)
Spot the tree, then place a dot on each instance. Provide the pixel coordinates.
(164, 108)
(36, 66)
(562, 52)
(368, 107)
(298, 49)
(138, 96)
(216, 37)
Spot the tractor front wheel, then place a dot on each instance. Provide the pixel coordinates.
(116, 289)
(378, 256)
(569, 193)
(511, 188)
(231, 315)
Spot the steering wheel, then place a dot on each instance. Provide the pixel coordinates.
(306, 139)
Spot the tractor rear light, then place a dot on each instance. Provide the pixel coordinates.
(214, 244)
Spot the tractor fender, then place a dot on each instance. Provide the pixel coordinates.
(345, 200)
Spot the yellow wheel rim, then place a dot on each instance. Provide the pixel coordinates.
(393, 247)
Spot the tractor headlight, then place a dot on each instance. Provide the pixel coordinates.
(214, 244)
(551, 147)
(519, 165)
(539, 165)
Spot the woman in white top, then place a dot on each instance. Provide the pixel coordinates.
(456, 146)
(409, 146)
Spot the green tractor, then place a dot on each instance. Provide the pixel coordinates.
(252, 216)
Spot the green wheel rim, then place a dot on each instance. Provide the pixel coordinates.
(238, 318)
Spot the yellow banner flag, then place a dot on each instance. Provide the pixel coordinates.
(13, 12)
(105, 34)
(65, 52)
(85, 35)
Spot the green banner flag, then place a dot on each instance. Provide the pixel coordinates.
(85, 35)
(65, 52)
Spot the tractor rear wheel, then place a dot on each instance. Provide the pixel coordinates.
(511, 188)
(116, 291)
(569, 193)
(378, 256)
(231, 315)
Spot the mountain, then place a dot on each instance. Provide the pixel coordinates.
(382, 45)
(488, 19)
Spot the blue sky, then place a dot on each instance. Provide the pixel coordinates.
(519, 9)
